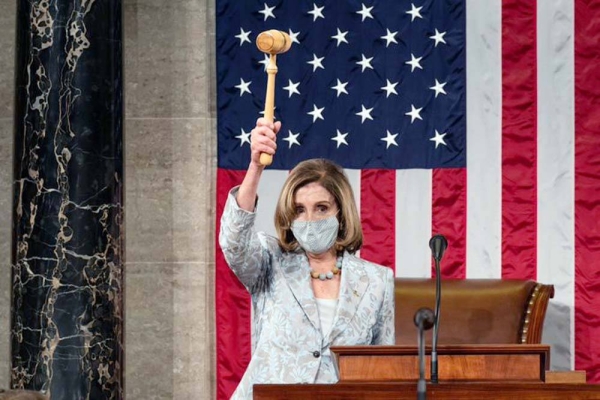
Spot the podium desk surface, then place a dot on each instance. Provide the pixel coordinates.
(442, 391)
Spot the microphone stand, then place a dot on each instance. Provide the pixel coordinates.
(423, 319)
(422, 384)
(438, 245)
(434, 340)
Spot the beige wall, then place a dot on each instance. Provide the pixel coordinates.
(170, 164)
(7, 54)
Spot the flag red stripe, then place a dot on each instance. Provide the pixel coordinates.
(233, 315)
(519, 135)
(378, 216)
(449, 218)
(587, 189)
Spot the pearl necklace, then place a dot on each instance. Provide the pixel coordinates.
(336, 270)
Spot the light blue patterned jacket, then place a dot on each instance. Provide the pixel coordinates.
(288, 346)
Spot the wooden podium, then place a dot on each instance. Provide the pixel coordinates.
(465, 372)
(472, 363)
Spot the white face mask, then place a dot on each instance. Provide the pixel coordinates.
(316, 237)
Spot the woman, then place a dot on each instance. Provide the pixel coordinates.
(309, 291)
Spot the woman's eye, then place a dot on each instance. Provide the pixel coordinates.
(323, 209)
(299, 210)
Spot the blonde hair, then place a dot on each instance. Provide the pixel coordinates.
(332, 177)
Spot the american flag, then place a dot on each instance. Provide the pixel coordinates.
(473, 119)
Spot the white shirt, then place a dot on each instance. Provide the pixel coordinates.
(326, 313)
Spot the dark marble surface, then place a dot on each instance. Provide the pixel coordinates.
(68, 233)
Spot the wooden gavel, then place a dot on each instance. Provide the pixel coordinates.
(272, 42)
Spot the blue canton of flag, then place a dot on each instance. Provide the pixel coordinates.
(379, 84)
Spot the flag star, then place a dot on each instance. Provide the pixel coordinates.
(415, 12)
(244, 87)
(292, 88)
(414, 113)
(316, 62)
(438, 139)
(389, 37)
(340, 138)
(267, 12)
(365, 63)
(390, 88)
(438, 37)
(365, 12)
(243, 36)
(292, 139)
(244, 137)
(439, 88)
(414, 62)
(317, 12)
(294, 36)
(316, 113)
(265, 61)
(365, 113)
(340, 87)
(390, 139)
(340, 37)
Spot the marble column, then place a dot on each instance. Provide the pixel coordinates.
(68, 233)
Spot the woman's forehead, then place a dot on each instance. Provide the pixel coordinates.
(313, 192)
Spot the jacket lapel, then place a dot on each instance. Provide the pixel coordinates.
(297, 275)
(353, 287)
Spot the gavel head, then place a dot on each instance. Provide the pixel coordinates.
(273, 42)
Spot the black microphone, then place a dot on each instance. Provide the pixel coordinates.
(424, 320)
(438, 245)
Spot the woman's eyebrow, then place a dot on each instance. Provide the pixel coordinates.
(299, 203)
(324, 202)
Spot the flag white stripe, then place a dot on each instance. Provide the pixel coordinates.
(269, 188)
(354, 178)
(556, 182)
(484, 139)
(413, 223)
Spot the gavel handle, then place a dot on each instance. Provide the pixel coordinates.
(267, 159)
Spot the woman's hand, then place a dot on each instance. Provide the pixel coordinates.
(262, 140)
